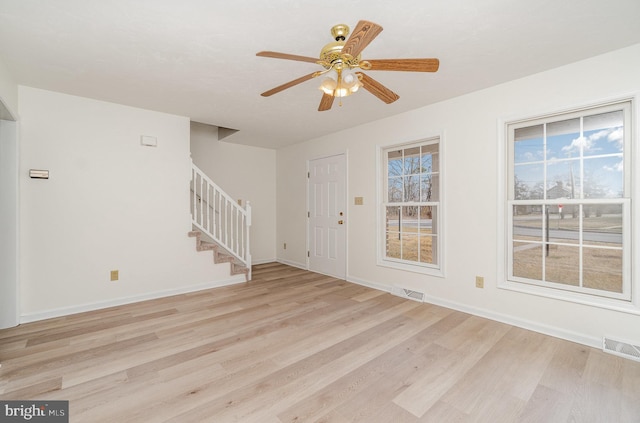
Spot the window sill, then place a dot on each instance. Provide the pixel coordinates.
(623, 306)
(415, 268)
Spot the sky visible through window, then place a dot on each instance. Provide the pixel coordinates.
(592, 162)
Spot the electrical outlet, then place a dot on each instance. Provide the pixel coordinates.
(479, 282)
(114, 275)
(358, 201)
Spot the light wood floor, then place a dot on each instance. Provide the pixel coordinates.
(294, 346)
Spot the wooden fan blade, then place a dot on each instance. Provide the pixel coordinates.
(326, 102)
(406, 65)
(287, 85)
(361, 36)
(377, 89)
(276, 55)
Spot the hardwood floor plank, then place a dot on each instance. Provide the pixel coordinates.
(468, 343)
(295, 346)
(546, 405)
(501, 370)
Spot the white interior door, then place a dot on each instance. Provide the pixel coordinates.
(327, 216)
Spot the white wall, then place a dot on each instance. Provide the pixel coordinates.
(110, 204)
(470, 143)
(245, 173)
(8, 224)
(8, 91)
(8, 200)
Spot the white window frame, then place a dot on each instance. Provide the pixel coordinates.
(382, 201)
(629, 301)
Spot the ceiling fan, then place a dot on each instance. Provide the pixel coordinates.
(340, 60)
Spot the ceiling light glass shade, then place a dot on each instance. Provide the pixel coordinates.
(328, 86)
(340, 84)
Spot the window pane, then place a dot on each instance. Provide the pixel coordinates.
(435, 187)
(427, 252)
(393, 213)
(429, 234)
(602, 269)
(409, 219)
(529, 182)
(412, 188)
(527, 223)
(393, 245)
(603, 177)
(410, 247)
(412, 161)
(559, 242)
(529, 146)
(426, 188)
(562, 264)
(563, 227)
(427, 162)
(394, 163)
(392, 232)
(603, 133)
(603, 227)
(394, 188)
(563, 139)
(427, 216)
(560, 179)
(527, 260)
(412, 180)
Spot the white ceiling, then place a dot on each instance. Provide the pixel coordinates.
(196, 58)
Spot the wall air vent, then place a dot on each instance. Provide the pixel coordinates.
(621, 348)
(408, 294)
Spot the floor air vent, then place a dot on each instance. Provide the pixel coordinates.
(408, 294)
(621, 348)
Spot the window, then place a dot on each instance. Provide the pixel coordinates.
(569, 202)
(410, 206)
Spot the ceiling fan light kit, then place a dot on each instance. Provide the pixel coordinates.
(340, 60)
(340, 82)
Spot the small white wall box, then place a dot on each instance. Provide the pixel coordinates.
(38, 174)
(149, 141)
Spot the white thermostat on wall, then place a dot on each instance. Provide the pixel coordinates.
(148, 141)
(38, 174)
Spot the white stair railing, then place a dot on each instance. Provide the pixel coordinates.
(220, 217)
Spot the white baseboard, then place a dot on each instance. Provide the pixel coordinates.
(263, 261)
(498, 317)
(518, 322)
(368, 284)
(65, 311)
(293, 263)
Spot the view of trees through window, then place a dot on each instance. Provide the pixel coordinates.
(412, 203)
(569, 203)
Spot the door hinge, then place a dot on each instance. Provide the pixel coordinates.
(308, 175)
(308, 254)
(308, 214)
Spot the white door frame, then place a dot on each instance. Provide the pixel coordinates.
(346, 214)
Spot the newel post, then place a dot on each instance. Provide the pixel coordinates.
(247, 209)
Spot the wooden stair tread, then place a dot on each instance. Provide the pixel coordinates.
(220, 255)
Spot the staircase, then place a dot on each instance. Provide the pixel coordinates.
(220, 224)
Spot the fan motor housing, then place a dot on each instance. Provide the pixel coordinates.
(331, 54)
